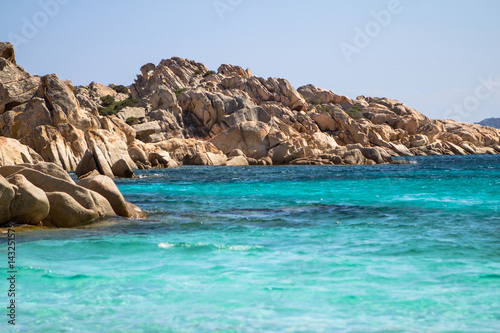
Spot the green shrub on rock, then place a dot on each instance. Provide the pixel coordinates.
(115, 107)
(179, 91)
(209, 73)
(355, 112)
(107, 100)
(131, 120)
(121, 89)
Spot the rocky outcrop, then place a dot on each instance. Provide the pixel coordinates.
(12, 152)
(45, 114)
(44, 194)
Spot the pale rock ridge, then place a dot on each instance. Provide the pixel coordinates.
(187, 114)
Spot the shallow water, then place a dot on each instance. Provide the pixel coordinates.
(387, 248)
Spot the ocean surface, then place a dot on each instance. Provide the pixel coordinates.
(385, 248)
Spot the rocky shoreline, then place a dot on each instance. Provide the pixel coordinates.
(181, 113)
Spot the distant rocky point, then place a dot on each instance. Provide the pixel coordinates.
(492, 122)
(181, 113)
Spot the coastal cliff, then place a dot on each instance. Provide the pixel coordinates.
(181, 113)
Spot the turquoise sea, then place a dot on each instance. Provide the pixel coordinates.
(385, 248)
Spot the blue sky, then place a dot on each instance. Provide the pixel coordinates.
(440, 57)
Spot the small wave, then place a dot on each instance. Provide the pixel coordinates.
(211, 246)
(239, 247)
(165, 245)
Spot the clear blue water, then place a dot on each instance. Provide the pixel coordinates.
(389, 248)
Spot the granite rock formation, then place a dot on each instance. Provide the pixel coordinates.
(179, 112)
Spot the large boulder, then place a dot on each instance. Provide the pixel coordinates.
(122, 169)
(66, 212)
(131, 112)
(108, 189)
(88, 199)
(30, 204)
(7, 193)
(12, 152)
(87, 164)
(250, 137)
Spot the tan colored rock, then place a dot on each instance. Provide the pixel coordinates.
(146, 129)
(375, 155)
(400, 149)
(230, 70)
(63, 144)
(131, 112)
(317, 95)
(63, 104)
(122, 169)
(205, 159)
(134, 211)
(353, 157)
(108, 189)
(418, 140)
(457, 150)
(87, 164)
(101, 162)
(16, 85)
(250, 137)
(13, 152)
(66, 212)
(325, 121)
(87, 199)
(51, 169)
(7, 194)
(30, 204)
(237, 161)
(7, 52)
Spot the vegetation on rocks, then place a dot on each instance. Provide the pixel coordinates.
(121, 89)
(131, 120)
(355, 112)
(179, 91)
(115, 107)
(208, 73)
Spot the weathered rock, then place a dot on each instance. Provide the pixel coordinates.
(400, 149)
(108, 189)
(88, 199)
(146, 129)
(86, 165)
(131, 112)
(237, 161)
(7, 194)
(325, 121)
(373, 154)
(66, 212)
(101, 162)
(316, 95)
(44, 167)
(122, 169)
(205, 159)
(13, 152)
(250, 137)
(30, 204)
(7, 52)
(353, 157)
